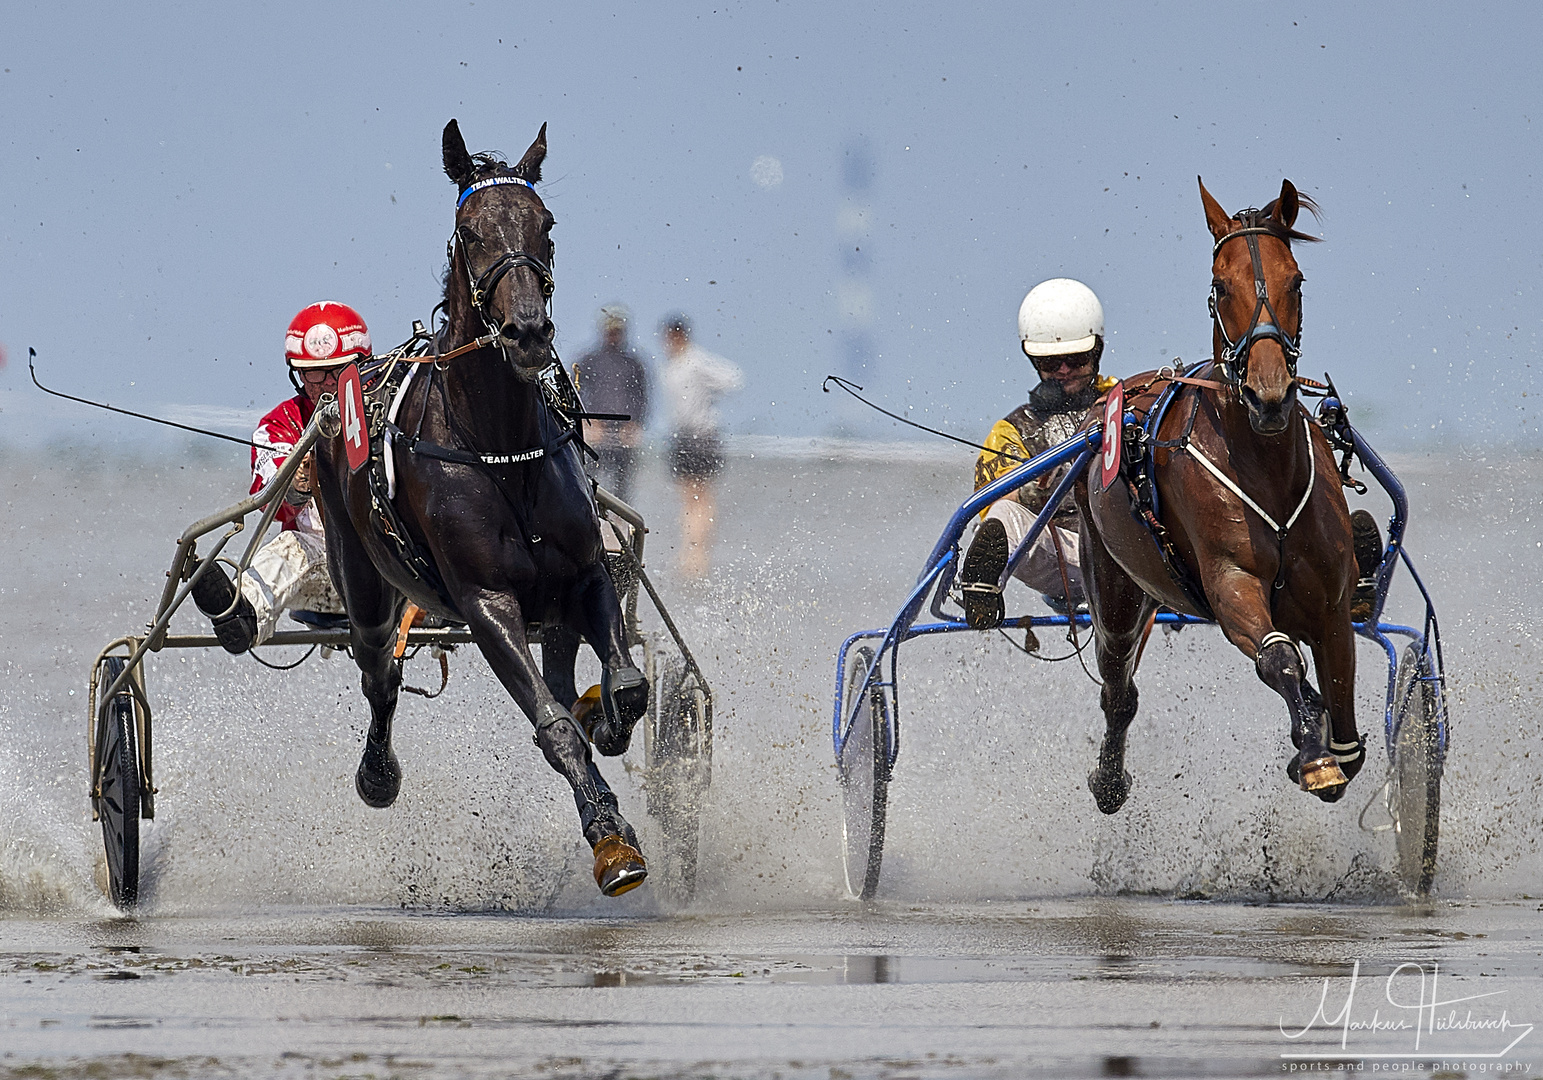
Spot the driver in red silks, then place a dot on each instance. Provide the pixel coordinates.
(290, 571)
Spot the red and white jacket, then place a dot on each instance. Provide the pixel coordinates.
(275, 437)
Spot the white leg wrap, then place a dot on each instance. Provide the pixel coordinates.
(1344, 752)
(1274, 637)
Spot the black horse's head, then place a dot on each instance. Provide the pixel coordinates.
(501, 252)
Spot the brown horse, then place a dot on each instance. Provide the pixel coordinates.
(1253, 532)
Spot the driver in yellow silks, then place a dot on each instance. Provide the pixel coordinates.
(1061, 328)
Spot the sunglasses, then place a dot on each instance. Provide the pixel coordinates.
(1048, 365)
(319, 375)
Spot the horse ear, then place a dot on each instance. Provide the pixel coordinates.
(1216, 219)
(1287, 205)
(458, 165)
(530, 165)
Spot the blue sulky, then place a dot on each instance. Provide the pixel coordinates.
(1421, 672)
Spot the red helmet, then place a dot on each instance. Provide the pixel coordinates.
(327, 334)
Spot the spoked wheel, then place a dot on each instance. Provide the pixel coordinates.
(117, 804)
(678, 757)
(864, 761)
(1418, 758)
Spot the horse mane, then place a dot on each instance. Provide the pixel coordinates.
(1265, 219)
(490, 164)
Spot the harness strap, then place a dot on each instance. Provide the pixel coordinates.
(465, 457)
(1280, 530)
(492, 181)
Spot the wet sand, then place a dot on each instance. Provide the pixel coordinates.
(1092, 987)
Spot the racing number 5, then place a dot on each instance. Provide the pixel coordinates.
(1114, 419)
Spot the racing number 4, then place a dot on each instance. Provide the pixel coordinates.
(351, 399)
(351, 421)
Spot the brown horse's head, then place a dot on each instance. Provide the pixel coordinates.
(501, 253)
(1256, 303)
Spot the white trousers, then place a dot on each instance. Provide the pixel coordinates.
(1039, 569)
(289, 572)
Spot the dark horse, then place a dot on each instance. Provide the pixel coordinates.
(495, 503)
(1258, 533)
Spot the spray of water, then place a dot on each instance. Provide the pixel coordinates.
(256, 804)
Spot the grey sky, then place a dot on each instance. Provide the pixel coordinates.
(179, 181)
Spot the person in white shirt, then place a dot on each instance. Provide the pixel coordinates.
(694, 381)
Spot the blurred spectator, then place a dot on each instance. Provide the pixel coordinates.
(611, 379)
(694, 380)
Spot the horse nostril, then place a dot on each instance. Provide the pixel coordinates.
(522, 331)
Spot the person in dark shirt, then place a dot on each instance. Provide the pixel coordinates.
(612, 379)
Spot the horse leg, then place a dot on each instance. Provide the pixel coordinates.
(1120, 611)
(1245, 619)
(498, 625)
(559, 650)
(623, 689)
(379, 776)
(374, 609)
(1334, 657)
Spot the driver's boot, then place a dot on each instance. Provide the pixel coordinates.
(978, 577)
(1366, 542)
(214, 594)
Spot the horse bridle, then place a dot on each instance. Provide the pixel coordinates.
(1235, 356)
(483, 284)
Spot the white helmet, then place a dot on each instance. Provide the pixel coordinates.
(1060, 316)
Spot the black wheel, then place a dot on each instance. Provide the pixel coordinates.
(864, 761)
(679, 765)
(1418, 757)
(117, 805)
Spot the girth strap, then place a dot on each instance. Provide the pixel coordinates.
(466, 457)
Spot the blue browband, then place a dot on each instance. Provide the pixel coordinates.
(492, 181)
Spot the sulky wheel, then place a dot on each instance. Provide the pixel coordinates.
(117, 805)
(679, 764)
(1418, 758)
(864, 761)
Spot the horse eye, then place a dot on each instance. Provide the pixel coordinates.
(470, 236)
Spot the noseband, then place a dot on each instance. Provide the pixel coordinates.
(1235, 356)
(483, 284)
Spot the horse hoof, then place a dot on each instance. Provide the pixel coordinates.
(585, 708)
(624, 696)
(629, 693)
(1109, 794)
(1323, 777)
(619, 867)
(379, 776)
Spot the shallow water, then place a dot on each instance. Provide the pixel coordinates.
(1090, 987)
(260, 839)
